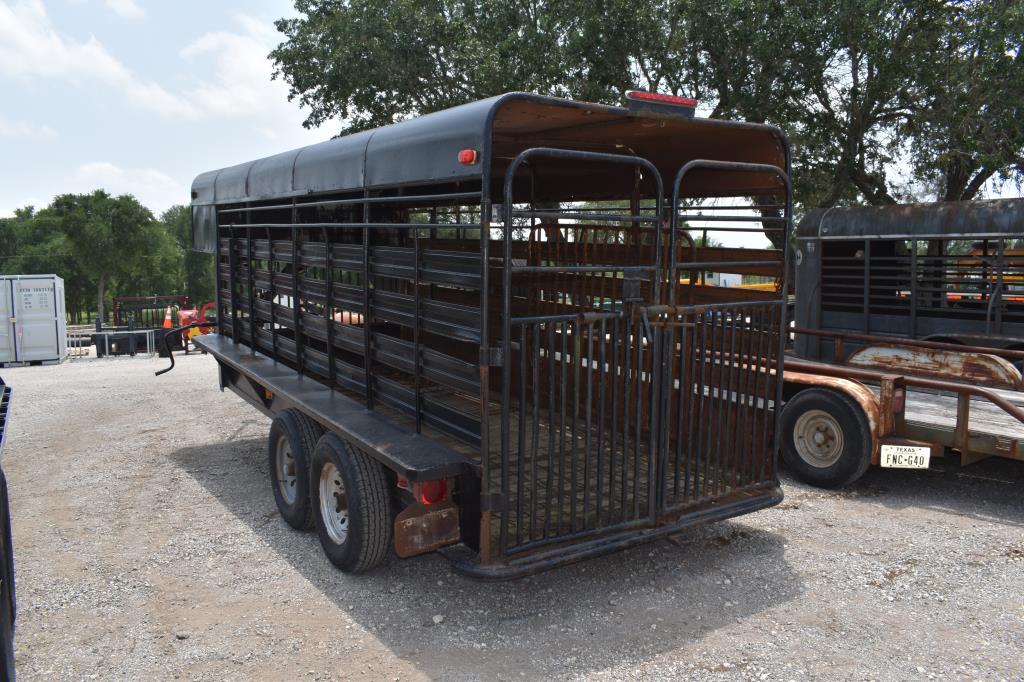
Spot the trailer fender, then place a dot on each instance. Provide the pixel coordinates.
(864, 396)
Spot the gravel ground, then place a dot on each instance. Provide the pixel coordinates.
(148, 546)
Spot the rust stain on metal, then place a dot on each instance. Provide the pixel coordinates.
(420, 528)
(864, 396)
(970, 366)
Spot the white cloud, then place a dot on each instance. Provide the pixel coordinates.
(241, 71)
(126, 8)
(26, 130)
(30, 48)
(155, 189)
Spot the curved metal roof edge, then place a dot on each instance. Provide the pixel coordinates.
(945, 217)
(488, 109)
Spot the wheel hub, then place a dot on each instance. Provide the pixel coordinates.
(333, 503)
(286, 478)
(818, 438)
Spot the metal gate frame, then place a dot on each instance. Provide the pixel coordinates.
(655, 321)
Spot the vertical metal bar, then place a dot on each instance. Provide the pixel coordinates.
(548, 511)
(725, 397)
(576, 346)
(273, 294)
(613, 437)
(562, 420)
(252, 285)
(746, 368)
(587, 422)
(998, 288)
(627, 381)
(484, 367)
(720, 457)
(700, 466)
(332, 371)
(760, 369)
(866, 322)
(233, 283)
(417, 359)
(296, 311)
(913, 288)
(691, 396)
(535, 431)
(521, 449)
(684, 391)
(780, 352)
(367, 309)
(771, 380)
(639, 383)
(602, 426)
(506, 354)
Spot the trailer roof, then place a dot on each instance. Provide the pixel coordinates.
(425, 149)
(944, 219)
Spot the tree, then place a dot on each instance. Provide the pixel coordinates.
(970, 124)
(107, 236)
(858, 85)
(194, 273)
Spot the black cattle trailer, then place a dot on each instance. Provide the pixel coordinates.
(483, 330)
(949, 272)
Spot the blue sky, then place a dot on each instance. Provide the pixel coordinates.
(137, 97)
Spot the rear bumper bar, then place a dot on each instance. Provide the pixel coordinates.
(465, 561)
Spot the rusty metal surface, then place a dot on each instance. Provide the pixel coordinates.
(877, 339)
(959, 437)
(420, 528)
(864, 396)
(981, 368)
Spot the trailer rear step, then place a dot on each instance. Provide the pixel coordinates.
(411, 455)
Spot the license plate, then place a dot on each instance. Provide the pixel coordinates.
(906, 456)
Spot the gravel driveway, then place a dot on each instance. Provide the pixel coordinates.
(148, 546)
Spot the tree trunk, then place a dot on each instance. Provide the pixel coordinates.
(99, 300)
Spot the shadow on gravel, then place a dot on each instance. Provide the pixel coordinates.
(989, 490)
(575, 620)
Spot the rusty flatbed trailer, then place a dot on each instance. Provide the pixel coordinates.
(898, 403)
(481, 331)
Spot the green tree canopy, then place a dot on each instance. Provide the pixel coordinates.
(104, 246)
(858, 84)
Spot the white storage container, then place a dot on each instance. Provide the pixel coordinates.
(33, 327)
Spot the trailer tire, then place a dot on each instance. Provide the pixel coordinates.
(355, 527)
(826, 439)
(293, 436)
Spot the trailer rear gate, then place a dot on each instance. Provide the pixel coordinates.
(553, 349)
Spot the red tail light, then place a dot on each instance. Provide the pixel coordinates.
(467, 157)
(431, 492)
(899, 400)
(644, 96)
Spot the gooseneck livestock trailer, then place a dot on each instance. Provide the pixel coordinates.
(483, 330)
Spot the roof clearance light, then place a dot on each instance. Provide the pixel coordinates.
(644, 96)
(468, 157)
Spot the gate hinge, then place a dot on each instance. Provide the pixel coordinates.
(493, 502)
(491, 357)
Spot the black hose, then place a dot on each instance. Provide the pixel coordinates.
(178, 330)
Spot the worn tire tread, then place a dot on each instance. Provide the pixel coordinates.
(369, 542)
(857, 450)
